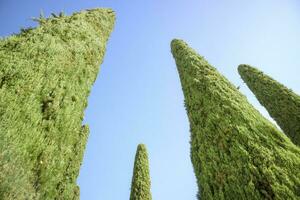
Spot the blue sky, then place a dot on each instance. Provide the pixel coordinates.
(137, 96)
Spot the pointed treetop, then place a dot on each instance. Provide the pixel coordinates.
(141, 147)
(141, 184)
(181, 50)
(235, 151)
(282, 103)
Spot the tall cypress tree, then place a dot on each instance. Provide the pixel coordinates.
(235, 151)
(282, 103)
(140, 185)
(46, 74)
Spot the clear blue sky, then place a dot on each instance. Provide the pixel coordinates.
(137, 97)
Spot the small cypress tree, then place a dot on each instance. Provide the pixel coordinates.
(140, 185)
(235, 151)
(46, 74)
(282, 103)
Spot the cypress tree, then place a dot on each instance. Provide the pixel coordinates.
(235, 151)
(46, 74)
(282, 103)
(140, 185)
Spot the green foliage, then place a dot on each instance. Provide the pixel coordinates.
(235, 151)
(46, 74)
(140, 185)
(282, 103)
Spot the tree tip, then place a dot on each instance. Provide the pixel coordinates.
(141, 147)
(242, 68)
(176, 41)
(176, 44)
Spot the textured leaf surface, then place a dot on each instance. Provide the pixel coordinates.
(282, 103)
(140, 185)
(46, 74)
(235, 151)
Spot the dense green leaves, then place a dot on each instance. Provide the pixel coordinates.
(140, 185)
(282, 103)
(46, 74)
(235, 151)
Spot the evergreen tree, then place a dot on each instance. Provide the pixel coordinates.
(235, 151)
(282, 103)
(46, 74)
(140, 185)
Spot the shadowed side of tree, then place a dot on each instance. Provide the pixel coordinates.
(235, 151)
(282, 103)
(46, 74)
(140, 185)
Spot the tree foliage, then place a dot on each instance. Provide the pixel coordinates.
(282, 103)
(140, 185)
(235, 151)
(46, 74)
